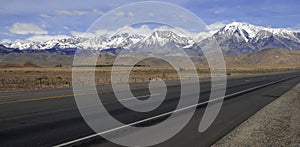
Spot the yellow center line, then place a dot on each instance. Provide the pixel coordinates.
(68, 95)
(42, 92)
(10, 95)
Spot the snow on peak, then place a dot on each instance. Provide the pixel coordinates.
(248, 31)
(245, 29)
(164, 37)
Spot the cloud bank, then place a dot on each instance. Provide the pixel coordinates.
(26, 28)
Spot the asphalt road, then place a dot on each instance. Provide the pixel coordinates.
(50, 117)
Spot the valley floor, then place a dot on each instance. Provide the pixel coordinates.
(18, 79)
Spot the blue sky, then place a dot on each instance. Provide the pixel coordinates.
(21, 19)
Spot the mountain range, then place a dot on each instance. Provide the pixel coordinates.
(236, 38)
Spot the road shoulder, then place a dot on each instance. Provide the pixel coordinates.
(277, 124)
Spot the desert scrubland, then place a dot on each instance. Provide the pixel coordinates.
(25, 78)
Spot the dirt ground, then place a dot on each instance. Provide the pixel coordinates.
(16, 79)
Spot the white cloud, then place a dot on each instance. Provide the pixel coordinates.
(26, 28)
(43, 38)
(131, 14)
(45, 15)
(64, 12)
(82, 34)
(77, 12)
(144, 30)
(44, 25)
(215, 26)
(97, 11)
(66, 28)
(3, 41)
(210, 30)
(219, 11)
(298, 26)
(120, 13)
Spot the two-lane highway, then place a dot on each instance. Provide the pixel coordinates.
(50, 117)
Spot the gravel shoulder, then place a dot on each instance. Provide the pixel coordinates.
(277, 124)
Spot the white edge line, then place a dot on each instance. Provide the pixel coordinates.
(164, 114)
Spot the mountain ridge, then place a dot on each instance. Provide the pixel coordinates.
(236, 38)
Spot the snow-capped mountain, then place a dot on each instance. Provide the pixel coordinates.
(162, 39)
(235, 38)
(117, 41)
(59, 43)
(243, 38)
